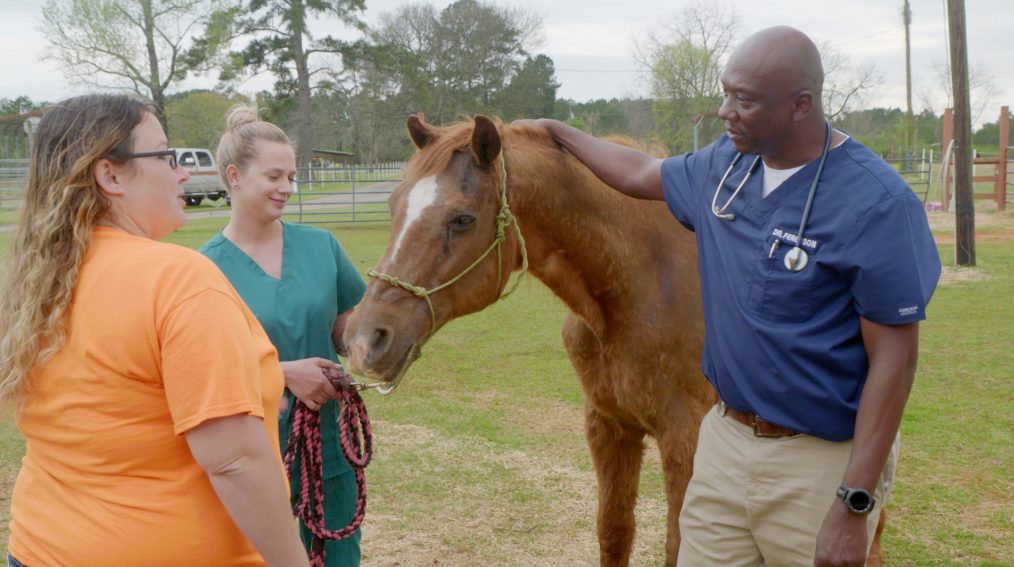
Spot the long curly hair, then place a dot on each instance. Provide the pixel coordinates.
(62, 205)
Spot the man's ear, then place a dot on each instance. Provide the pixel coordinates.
(802, 103)
(106, 173)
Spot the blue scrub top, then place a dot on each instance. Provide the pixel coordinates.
(787, 345)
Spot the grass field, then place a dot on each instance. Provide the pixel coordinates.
(480, 455)
(8, 214)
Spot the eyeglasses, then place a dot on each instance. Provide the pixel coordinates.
(171, 153)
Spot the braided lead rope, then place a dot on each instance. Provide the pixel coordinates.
(305, 441)
(504, 219)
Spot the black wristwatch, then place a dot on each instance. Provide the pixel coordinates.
(858, 500)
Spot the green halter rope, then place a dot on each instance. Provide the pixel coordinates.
(503, 219)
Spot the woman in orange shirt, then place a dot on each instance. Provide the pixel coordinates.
(146, 391)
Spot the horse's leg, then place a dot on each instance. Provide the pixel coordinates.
(676, 444)
(616, 453)
(876, 557)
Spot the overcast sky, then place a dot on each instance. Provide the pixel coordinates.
(591, 43)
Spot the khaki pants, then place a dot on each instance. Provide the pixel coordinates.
(757, 501)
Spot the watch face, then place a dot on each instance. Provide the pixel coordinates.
(859, 500)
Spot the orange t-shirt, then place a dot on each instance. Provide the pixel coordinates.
(159, 342)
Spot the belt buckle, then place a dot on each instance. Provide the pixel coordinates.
(755, 422)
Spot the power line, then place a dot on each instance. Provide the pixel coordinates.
(598, 70)
(875, 33)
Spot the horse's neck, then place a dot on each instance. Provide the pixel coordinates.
(592, 246)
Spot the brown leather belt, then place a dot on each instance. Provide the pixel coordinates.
(760, 427)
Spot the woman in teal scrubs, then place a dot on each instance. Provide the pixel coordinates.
(300, 284)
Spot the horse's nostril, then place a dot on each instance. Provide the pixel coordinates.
(380, 338)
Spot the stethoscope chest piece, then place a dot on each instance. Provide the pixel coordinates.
(796, 259)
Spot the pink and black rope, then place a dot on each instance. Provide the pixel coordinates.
(304, 441)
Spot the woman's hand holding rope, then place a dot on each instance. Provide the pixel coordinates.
(306, 380)
(304, 456)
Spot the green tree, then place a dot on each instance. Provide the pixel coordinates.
(531, 92)
(145, 46)
(404, 56)
(19, 105)
(988, 136)
(881, 129)
(929, 129)
(884, 129)
(627, 117)
(377, 105)
(197, 118)
(639, 117)
(280, 41)
(15, 143)
(683, 63)
(464, 58)
(680, 103)
(601, 117)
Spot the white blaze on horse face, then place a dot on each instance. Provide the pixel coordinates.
(422, 195)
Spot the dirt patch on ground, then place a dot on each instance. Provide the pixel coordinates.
(434, 527)
(952, 275)
(991, 225)
(536, 509)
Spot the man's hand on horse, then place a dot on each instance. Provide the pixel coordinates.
(305, 379)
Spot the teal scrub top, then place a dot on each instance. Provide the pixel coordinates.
(298, 310)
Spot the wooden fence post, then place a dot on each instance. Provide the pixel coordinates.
(1002, 165)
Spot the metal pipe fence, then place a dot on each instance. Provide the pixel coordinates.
(345, 193)
(359, 193)
(13, 175)
(916, 168)
(331, 194)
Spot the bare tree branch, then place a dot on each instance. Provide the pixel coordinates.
(682, 62)
(845, 85)
(108, 43)
(981, 87)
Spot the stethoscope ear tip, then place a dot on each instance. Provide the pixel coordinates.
(723, 216)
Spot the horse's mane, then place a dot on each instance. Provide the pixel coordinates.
(455, 137)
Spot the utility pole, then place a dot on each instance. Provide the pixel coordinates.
(964, 205)
(906, 16)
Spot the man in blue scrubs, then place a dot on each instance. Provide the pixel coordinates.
(812, 351)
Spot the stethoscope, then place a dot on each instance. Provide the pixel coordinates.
(797, 258)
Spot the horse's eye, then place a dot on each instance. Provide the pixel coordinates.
(460, 223)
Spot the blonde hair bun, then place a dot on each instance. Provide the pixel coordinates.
(240, 115)
(238, 144)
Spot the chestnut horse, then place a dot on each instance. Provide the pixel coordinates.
(624, 267)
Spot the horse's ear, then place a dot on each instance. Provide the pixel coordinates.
(485, 141)
(420, 132)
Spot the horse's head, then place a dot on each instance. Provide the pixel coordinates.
(451, 252)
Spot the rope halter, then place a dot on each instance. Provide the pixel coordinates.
(504, 219)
